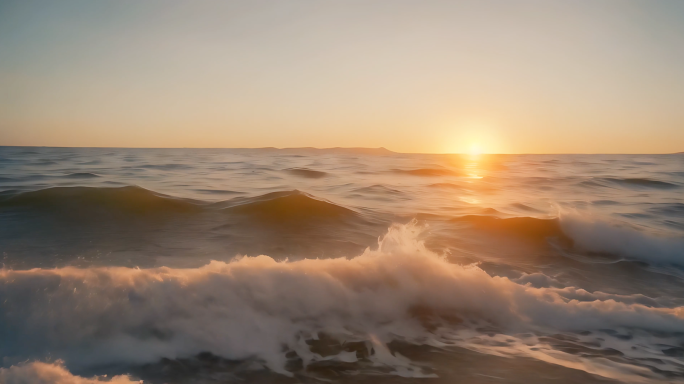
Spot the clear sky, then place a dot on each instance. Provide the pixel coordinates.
(527, 76)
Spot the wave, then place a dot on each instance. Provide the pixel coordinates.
(605, 202)
(44, 162)
(427, 172)
(52, 373)
(629, 183)
(524, 207)
(599, 236)
(524, 227)
(257, 308)
(642, 182)
(82, 175)
(592, 184)
(88, 201)
(676, 173)
(91, 162)
(89, 204)
(165, 167)
(446, 185)
(584, 234)
(378, 189)
(668, 209)
(307, 173)
(218, 192)
(287, 206)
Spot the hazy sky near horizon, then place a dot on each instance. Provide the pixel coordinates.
(527, 76)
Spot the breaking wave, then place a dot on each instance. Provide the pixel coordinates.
(52, 373)
(257, 308)
(582, 233)
(600, 236)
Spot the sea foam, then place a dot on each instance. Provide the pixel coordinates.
(602, 236)
(257, 308)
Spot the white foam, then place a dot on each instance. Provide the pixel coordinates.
(258, 308)
(600, 236)
(52, 373)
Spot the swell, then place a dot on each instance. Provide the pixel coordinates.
(668, 209)
(642, 182)
(427, 172)
(166, 167)
(306, 173)
(85, 201)
(93, 204)
(287, 207)
(259, 308)
(378, 189)
(633, 183)
(523, 227)
(82, 175)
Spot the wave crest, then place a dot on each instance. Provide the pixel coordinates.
(83, 201)
(427, 172)
(257, 307)
(599, 236)
(524, 227)
(288, 206)
(306, 173)
(633, 183)
(82, 175)
(52, 373)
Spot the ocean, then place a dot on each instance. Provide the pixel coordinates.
(339, 265)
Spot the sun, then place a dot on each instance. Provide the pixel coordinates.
(475, 150)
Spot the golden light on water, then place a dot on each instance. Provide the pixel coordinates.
(472, 164)
(469, 200)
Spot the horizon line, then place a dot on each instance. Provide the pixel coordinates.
(350, 148)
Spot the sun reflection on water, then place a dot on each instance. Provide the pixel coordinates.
(472, 166)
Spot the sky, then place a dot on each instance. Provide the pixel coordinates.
(526, 76)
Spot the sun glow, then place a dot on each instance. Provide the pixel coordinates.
(474, 137)
(475, 150)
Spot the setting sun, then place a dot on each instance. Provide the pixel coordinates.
(475, 150)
